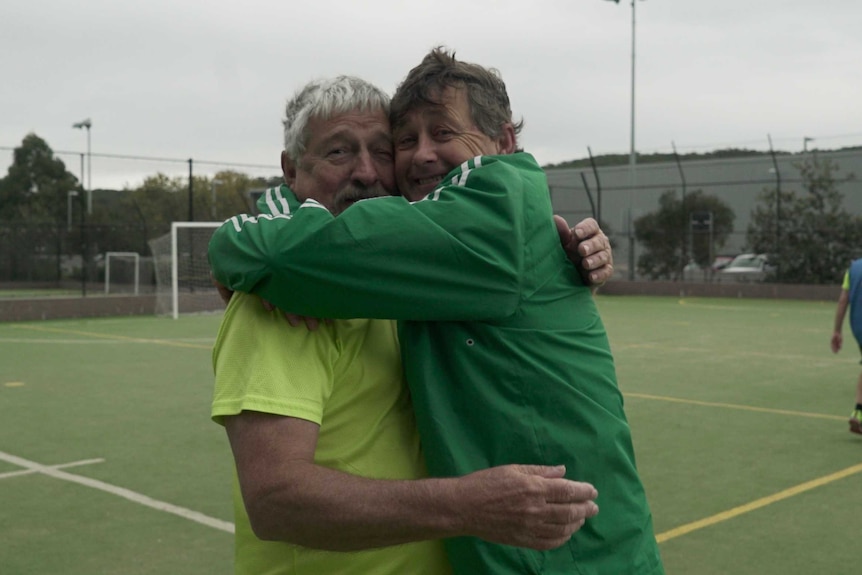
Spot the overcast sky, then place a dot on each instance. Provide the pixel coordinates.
(182, 79)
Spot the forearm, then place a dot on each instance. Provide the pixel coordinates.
(359, 265)
(525, 506)
(840, 312)
(322, 508)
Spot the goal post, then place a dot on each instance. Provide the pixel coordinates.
(183, 281)
(137, 259)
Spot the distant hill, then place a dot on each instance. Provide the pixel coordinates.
(623, 159)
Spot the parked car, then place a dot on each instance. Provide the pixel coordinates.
(746, 267)
(721, 262)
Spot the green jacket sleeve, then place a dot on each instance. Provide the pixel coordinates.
(457, 255)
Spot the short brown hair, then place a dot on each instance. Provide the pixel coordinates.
(486, 91)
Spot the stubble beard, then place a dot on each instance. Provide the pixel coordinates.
(351, 193)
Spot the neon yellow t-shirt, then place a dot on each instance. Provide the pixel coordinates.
(347, 375)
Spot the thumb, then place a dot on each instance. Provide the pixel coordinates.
(563, 229)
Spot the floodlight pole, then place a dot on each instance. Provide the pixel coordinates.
(214, 183)
(69, 195)
(81, 125)
(191, 191)
(777, 202)
(632, 159)
(632, 156)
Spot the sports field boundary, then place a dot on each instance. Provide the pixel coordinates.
(747, 290)
(98, 305)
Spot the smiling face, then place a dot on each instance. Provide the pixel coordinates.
(433, 139)
(347, 158)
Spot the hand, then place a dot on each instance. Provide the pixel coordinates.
(837, 340)
(224, 292)
(312, 323)
(588, 248)
(525, 505)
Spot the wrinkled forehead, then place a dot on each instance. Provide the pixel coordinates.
(362, 123)
(328, 110)
(439, 101)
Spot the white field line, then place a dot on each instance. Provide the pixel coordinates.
(120, 492)
(63, 466)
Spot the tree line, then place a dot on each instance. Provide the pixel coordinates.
(807, 233)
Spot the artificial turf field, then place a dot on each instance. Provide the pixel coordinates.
(109, 463)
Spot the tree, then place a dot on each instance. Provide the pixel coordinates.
(36, 184)
(33, 205)
(669, 240)
(815, 237)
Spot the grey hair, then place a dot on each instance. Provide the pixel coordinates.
(324, 99)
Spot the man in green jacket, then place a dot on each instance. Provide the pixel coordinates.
(503, 348)
(320, 422)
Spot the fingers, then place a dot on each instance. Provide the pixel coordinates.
(531, 506)
(566, 491)
(596, 244)
(311, 323)
(549, 471)
(224, 293)
(596, 260)
(600, 276)
(567, 503)
(266, 305)
(568, 506)
(595, 251)
(585, 228)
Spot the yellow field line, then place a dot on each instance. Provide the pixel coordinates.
(114, 337)
(763, 502)
(735, 406)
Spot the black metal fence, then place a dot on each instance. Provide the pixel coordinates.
(55, 254)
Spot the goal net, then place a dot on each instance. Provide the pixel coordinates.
(183, 283)
(122, 272)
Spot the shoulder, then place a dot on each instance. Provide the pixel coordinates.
(278, 200)
(509, 171)
(249, 326)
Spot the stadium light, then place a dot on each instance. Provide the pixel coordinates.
(81, 125)
(215, 183)
(632, 157)
(805, 141)
(69, 195)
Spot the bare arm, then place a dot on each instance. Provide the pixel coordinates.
(289, 498)
(840, 311)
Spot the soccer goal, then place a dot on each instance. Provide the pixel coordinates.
(121, 272)
(183, 283)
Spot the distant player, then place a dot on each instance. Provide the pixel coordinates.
(851, 295)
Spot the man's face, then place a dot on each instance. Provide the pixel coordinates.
(434, 139)
(347, 158)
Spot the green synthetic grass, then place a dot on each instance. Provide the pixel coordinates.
(738, 411)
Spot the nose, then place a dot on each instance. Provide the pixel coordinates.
(365, 170)
(426, 150)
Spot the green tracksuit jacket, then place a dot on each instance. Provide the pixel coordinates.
(504, 351)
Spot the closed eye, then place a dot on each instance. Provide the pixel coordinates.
(337, 152)
(405, 142)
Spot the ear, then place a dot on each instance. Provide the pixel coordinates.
(506, 139)
(288, 168)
